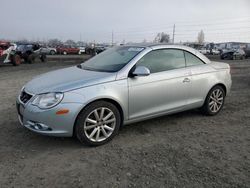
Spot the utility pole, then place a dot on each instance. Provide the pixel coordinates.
(112, 37)
(173, 33)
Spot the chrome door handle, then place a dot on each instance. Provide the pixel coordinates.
(186, 80)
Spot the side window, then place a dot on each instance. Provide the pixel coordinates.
(163, 60)
(192, 60)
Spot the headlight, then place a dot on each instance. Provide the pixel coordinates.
(47, 100)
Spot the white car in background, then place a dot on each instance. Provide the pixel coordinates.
(48, 50)
(81, 50)
(204, 51)
(215, 52)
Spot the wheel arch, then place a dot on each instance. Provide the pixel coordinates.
(222, 85)
(218, 84)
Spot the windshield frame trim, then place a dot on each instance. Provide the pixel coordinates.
(123, 73)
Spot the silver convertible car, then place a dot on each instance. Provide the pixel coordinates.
(120, 86)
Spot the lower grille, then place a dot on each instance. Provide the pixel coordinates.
(25, 97)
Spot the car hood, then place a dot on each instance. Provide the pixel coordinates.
(67, 79)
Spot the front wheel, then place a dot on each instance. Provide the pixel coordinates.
(214, 101)
(98, 123)
(16, 60)
(52, 52)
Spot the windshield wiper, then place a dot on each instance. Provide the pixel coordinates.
(79, 66)
(88, 68)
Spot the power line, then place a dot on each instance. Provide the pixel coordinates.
(186, 23)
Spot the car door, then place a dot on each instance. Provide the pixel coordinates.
(69, 50)
(202, 76)
(165, 89)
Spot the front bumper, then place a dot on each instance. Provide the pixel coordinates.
(47, 122)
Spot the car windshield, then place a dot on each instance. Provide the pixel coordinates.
(112, 60)
(20, 47)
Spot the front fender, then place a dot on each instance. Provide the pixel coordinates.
(116, 91)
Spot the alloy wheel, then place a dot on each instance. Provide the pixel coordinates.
(99, 124)
(216, 100)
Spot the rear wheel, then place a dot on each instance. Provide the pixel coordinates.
(214, 101)
(98, 123)
(64, 53)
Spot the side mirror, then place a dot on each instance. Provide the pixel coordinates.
(141, 71)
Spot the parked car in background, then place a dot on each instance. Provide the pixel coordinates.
(8, 54)
(82, 50)
(233, 54)
(204, 51)
(30, 51)
(48, 50)
(94, 50)
(247, 51)
(4, 52)
(100, 49)
(67, 50)
(215, 51)
(90, 50)
(122, 85)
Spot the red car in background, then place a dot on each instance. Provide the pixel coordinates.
(67, 50)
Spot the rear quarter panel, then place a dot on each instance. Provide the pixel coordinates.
(205, 77)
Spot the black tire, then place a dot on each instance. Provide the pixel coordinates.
(52, 52)
(43, 58)
(16, 60)
(205, 108)
(64, 53)
(79, 130)
(31, 59)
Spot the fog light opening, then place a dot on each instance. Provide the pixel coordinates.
(39, 126)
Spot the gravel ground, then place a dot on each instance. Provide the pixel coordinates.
(182, 150)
